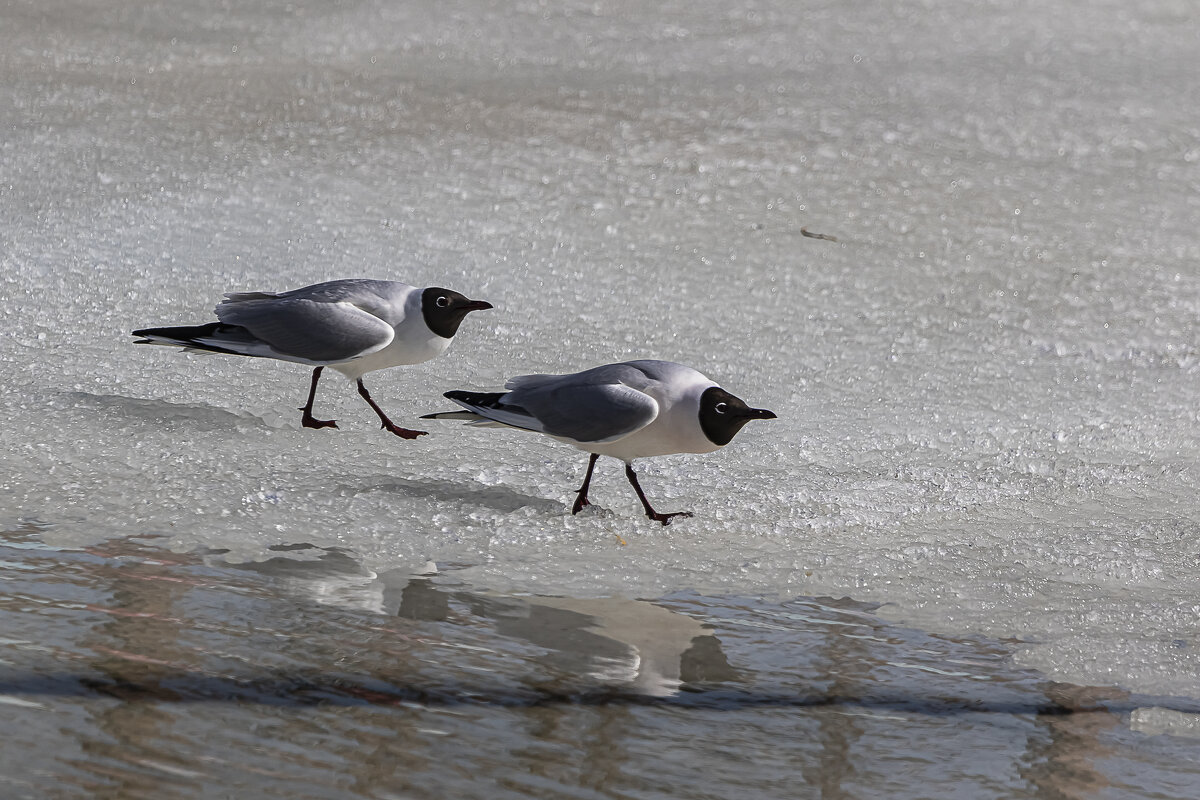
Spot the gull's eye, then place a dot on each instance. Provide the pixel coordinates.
(719, 408)
(443, 301)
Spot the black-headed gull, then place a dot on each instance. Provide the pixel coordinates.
(629, 410)
(355, 326)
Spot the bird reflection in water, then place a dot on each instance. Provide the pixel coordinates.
(633, 645)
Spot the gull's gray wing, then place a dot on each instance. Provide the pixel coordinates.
(313, 330)
(597, 405)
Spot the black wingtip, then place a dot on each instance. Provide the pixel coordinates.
(144, 335)
(182, 333)
(477, 399)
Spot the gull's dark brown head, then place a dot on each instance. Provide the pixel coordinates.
(722, 415)
(445, 310)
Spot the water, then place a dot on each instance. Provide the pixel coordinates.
(985, 388)
(173, 676)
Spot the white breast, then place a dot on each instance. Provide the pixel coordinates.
(413, 343)
(676, 429)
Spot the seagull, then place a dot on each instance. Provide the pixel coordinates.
(629, 410)
(355, 326)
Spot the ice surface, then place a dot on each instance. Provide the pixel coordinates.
(986, 386)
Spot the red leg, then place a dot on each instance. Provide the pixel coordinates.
(388, 425)
(308, 420)
(581, 498)
(665, 519)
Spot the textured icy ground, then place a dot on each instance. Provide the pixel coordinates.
(986, 387)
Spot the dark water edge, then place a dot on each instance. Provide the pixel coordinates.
(129, 671)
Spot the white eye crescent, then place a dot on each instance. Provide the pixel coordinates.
(719, 408)
(443, 301)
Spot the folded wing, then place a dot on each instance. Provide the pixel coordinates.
(596, 406)
(306, 329)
